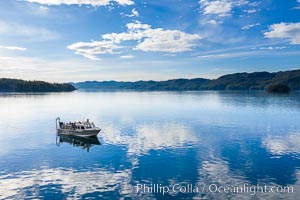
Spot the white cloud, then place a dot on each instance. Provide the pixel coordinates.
(124, 2)
(298, 7)
(43, 10)
(30, 32)
(90, 49)
(134, 13)
(14, 48)
(167, 41)
(254, 4)
(127, 56)
(157, 39)
(213, 22)
(32, 68)
(249, 11)
(82, 2)
(227, 55)
(221, 8)
(55, 69)
(273, 48)
(250, 26)
(288, 31)
(147, 38)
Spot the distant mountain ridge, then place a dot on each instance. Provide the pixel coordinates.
(237, 81)
(176, 84)
(17, 85)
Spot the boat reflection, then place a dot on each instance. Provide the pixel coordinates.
(82, 142)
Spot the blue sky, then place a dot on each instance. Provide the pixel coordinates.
(78, 40)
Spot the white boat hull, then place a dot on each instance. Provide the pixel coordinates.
(81, 133)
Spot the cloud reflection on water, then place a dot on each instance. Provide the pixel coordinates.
(70, 183)
(283, 145)
(153, 136)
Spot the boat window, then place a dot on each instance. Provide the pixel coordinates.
(82, 127)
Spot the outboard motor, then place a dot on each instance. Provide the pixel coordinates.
(57, 122)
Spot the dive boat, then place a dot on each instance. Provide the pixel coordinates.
(81, 128)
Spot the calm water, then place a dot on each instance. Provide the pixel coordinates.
(166, 138)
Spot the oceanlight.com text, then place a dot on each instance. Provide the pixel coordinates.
(212, 188)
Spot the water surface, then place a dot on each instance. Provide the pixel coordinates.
(167, 138)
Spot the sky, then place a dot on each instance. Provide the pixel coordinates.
(129, 40)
